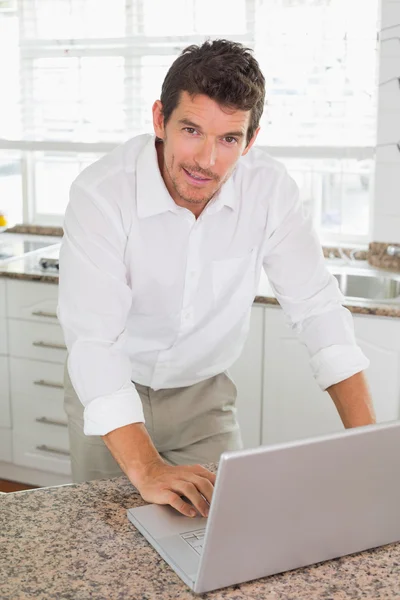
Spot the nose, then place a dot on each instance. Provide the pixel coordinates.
(206, 154)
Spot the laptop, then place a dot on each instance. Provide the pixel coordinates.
(285, 506)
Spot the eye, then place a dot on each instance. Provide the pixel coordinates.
(190, 130)
(230, 140)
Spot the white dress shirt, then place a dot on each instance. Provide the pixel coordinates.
(149, 294)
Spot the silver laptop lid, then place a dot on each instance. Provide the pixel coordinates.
(285, 506)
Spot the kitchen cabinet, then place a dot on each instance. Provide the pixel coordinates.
(278, 398)
(247, 373)
(3, 322)
(294, 407)
(36, 356)
(379, 338)
(5, 408)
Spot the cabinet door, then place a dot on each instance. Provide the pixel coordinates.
(37, 393)
(32, 300)
(379, 339)
(6, 445)
(38, 341)
(3, 322)
(294, 407)
(247, 375)
(3, 336)
(5, 413)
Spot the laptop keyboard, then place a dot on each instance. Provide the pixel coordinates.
(195, 539)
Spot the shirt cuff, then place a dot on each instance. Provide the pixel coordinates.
(337, 363)
(106, 413)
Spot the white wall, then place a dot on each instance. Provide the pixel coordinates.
(386, 210)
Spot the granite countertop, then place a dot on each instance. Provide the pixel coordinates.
(75, 542)
(27, 268)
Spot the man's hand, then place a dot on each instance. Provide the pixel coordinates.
(157, 481)
(165, 484)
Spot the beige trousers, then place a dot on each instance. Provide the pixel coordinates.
(187, 425)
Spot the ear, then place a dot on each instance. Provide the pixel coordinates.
(158, 119)
(251, 142)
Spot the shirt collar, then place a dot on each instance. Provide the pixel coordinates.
(152, 195)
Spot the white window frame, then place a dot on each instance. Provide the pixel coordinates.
(159, 46)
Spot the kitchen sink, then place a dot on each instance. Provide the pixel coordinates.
(369, 285)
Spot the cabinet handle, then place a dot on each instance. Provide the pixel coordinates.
(48, 345)
(52, 450)
(43, 313)
(51, 384)
(47, 421)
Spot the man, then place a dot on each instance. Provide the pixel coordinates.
(165, 238)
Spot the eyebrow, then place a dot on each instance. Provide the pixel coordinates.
(189, 123)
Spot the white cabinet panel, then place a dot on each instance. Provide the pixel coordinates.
(294, 407)
(3, 336)
(5, 445)
(37, 392)
(5, 413)
(379, 339)
(3, 309)
(247, 374)
(47, 452)
(32, 300)
(3, 322)
(39, 341)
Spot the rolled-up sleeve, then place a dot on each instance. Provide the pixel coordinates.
(93, 307)
(308, 294)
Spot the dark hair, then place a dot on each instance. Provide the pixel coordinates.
(225, 71)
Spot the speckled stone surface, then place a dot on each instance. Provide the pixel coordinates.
(354, 253)
(383, 310)
(378, 257)
(76, 543)
(27, 268)
(36, 229)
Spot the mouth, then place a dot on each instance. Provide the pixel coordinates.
(196, 179)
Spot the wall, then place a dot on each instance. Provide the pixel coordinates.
(386, 210)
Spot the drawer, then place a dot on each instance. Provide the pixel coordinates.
(37, 392)
(5, 412)
(6, 445)
(39, 341)
(32, 300)
(44, 449)
(3, 336)
(3, 311)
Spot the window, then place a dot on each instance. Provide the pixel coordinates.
(80, 76)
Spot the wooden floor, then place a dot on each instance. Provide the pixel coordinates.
(14, 486)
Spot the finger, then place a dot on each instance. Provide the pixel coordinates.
(202, 471)
(180, 505)
(191, 492)
(204, 486)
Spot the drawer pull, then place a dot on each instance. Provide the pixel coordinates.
(50, 384)
(49, 345)
(52, 450)
(43, 313)
(47, 421)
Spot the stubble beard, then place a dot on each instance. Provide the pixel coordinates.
(178, 188)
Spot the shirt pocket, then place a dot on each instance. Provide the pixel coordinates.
(233, 278)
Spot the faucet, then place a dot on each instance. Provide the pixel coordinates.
(349, 259)
(393, 250)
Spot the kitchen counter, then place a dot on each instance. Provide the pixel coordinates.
(75, 542)
(265, 294)
(28, 268)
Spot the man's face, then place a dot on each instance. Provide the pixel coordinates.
(202, 143)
